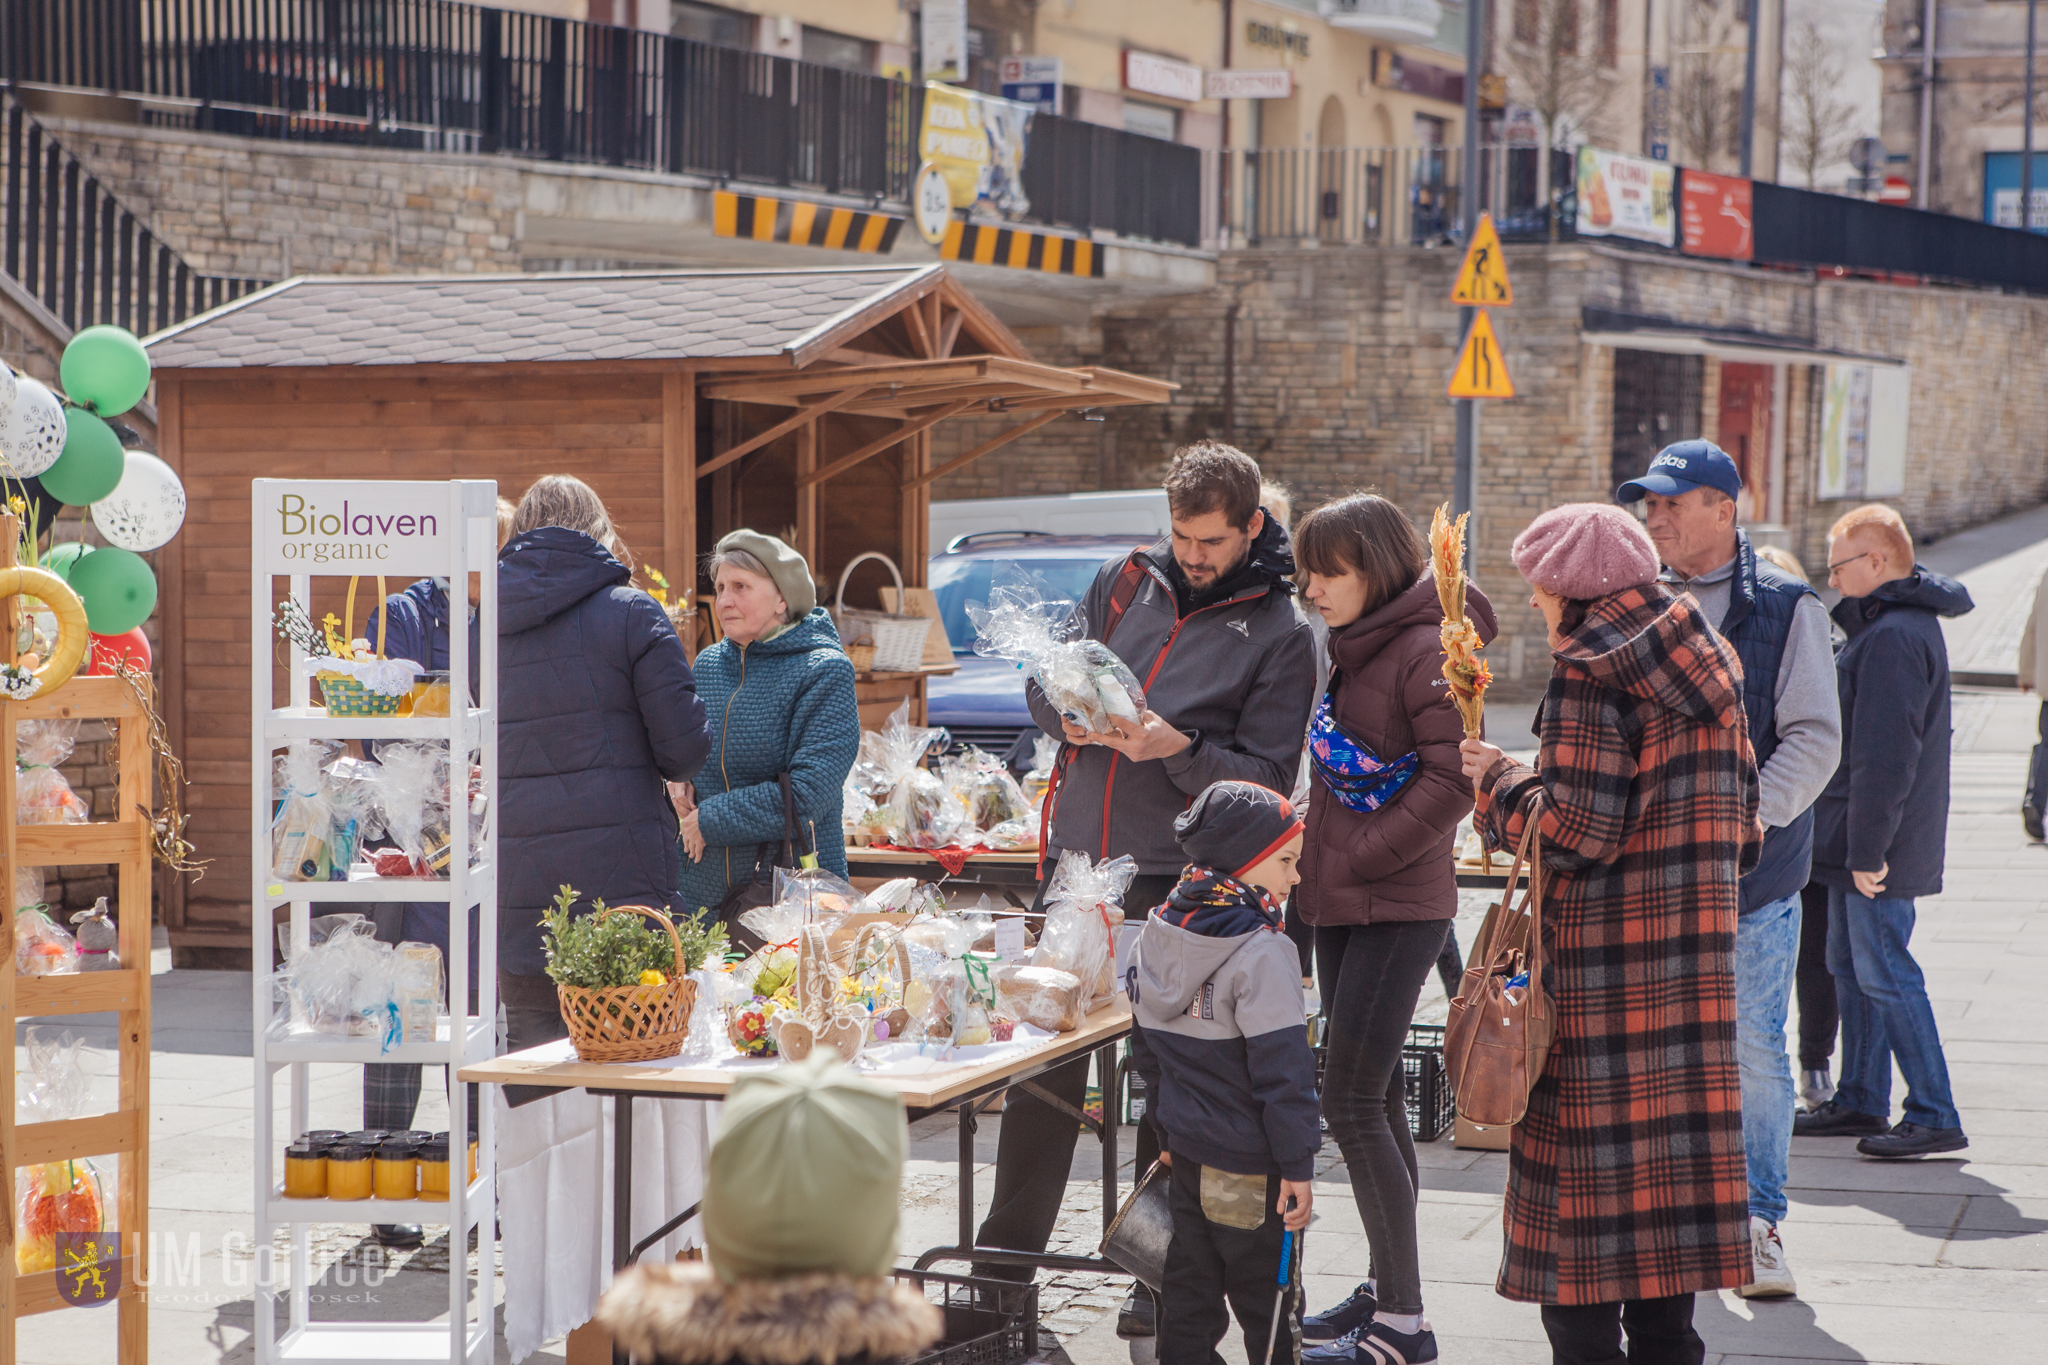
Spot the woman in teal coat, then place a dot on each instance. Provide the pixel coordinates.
(779, 692)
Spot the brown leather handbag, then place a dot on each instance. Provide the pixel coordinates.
(1498, 1035)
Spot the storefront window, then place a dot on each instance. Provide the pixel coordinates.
(1151, 119)
(710, 24)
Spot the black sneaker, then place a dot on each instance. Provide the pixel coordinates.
(1910, 1139)
(1139, 1317)
(397, 1235)
(1834, 1119)
(1380, 1344)
(1346, 1318)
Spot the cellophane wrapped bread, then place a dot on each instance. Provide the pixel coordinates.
(1044, 997)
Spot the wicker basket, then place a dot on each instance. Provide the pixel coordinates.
(631, 1023)
(863, 655)
(898, 640)
(343, 695)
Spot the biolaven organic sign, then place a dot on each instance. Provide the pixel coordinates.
(340, 526)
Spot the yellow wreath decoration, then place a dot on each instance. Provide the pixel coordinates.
(73, 636)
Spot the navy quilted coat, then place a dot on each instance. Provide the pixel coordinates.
(597, 706)
(783, 704)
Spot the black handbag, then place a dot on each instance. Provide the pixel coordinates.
(758, 888)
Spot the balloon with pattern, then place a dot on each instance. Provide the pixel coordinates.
(31, 431)
(146, 508)
(7, 388)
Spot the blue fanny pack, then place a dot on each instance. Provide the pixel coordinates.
(1359, 778)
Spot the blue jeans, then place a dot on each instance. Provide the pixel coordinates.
(1885, 1012)
(1766, 954)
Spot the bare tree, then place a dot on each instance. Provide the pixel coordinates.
(1706, 80)
(1816, 122)
(1556, 71)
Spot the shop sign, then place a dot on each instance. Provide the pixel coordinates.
(1395, 72)
(1035, 81)
(943, 33)
(1626, 196)
(1149, 74)
(1714, 214)
(1272, 35)
(331, 526)
(1249, 85)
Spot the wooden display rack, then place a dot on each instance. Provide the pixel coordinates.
(123, 1132)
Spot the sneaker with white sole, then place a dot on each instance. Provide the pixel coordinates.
(1773, 1278)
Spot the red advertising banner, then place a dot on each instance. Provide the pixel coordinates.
(1714, 215)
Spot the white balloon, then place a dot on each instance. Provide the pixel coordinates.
(31, 431)
(7, 384)
(146, 508)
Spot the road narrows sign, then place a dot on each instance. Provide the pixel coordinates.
(1483, 278)
(1482, 371)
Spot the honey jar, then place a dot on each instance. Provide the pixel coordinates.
(434, 1170)
(322, 1137)
(305, 1170)
(397, 1169)
(472, 1153)
(348, 1171)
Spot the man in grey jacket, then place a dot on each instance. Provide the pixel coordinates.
(1206, 621)
(1780, 632)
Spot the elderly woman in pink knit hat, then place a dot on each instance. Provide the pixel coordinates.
(1627, 1192)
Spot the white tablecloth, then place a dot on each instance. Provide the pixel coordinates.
(555, 1200)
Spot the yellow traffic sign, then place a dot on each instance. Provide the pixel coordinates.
(1483, 278)
(1482, 371)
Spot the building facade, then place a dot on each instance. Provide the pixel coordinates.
(1954, 82)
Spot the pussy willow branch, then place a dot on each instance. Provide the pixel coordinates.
(166, 830)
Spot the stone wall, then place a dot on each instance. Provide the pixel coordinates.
(268, 210)
(1341, 359)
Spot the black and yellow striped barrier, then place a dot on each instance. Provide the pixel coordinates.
(1021, 250)
(801, 223)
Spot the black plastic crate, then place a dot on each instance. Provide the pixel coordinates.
(988, 1322)
(1426, 1087)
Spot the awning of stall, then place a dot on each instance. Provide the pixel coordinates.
(1674, 336)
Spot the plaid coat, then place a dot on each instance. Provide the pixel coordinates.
(1626, 1180)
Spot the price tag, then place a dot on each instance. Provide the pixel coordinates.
(1010, 938)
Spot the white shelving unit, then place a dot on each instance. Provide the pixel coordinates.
(307, 529)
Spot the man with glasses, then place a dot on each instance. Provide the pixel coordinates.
(1880, 836)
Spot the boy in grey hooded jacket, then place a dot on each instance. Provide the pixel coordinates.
(1220, 1037)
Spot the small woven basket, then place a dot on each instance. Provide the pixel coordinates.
(631, 1023)
(343, 695)
(863, 656)
(898, 641)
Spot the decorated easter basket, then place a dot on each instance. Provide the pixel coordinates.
(346, 696)
(637, 1023)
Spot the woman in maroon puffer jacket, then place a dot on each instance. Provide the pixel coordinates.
(1377, 884)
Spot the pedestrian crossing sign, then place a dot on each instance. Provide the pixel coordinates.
(1482, 372)
(1483, 278)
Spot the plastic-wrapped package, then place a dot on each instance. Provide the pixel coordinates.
(412, 799)
(42, 947)
(99, 939)
(902, 896)
(350, 785)
(988, 795)
(303, 838)
(917, 810)
(815, 891)
(1083, 678)
(28, 886)
(417, 988)
(1042, 996)
(42, 795)
(348, 983)
(1013, 836)
(55, 1196)
(1084, 909)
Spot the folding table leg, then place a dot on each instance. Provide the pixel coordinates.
(622, 1197)
(1105, 1064)
(966, 1136)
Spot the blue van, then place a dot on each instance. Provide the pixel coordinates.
(983, 703)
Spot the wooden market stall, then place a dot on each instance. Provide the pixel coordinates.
(798, 402)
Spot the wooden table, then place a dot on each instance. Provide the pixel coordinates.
(987, 868)
(967, 1090)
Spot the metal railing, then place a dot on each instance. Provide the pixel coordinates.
(437, 75)
(79, 251)
(1385, 196)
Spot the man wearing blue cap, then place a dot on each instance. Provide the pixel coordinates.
(1780, 632)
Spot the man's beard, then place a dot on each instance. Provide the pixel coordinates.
(1217, 576)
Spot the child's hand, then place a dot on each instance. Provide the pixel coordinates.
(1166, 1160)
(1302, 1196)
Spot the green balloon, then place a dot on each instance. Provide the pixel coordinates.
(105, 368)
(117, 587)
(59, 558)
(92, 462)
